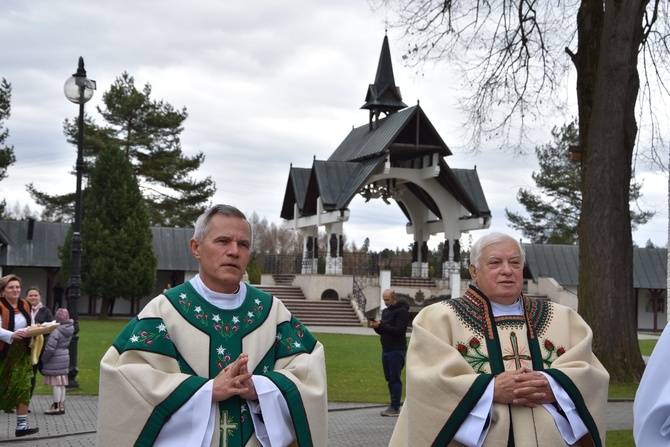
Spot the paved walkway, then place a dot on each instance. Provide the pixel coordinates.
(349, 424)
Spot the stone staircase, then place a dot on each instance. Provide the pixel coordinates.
(311, 312)
(283, 279)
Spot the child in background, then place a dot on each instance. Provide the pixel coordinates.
(56, 360)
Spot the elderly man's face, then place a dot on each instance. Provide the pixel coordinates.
(500, 272)
(224, 253)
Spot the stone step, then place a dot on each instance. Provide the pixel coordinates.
(312, 312)
(283, 291)
(283, 279)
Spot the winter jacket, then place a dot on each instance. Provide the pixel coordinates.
(43, 315)
(56, 354)
(393, 327)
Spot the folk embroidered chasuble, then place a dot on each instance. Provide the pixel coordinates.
(456, 349)
(180, 341)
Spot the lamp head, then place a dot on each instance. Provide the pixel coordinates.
(78, 88)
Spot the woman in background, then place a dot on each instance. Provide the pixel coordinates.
(40, 314)
(15, 368)
(56, 360)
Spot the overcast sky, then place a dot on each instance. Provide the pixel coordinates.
(266, 85)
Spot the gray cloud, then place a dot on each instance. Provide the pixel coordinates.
(265, 85)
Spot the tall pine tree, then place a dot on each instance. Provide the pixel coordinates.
(6, 152)
(118, 260)
(147, 131)
(554, 211)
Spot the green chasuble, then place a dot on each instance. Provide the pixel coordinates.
(456, 349)
(180, 341)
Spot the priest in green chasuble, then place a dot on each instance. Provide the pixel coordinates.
(214, 361)
(497, 368)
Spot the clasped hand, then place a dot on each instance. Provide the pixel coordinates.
(523, 387)
(234, 380)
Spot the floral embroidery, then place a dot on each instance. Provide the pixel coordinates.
(228, 329)
(185, 302)
(149, 338)
(551, 352)
(243, 411)
(256, 311)
(477, 360)
(224, 358)
(290, 343)
(299, 330)
(201, 316)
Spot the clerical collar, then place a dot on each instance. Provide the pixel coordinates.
(507, 309)
(220, 300)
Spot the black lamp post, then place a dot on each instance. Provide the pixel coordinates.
(78, 89)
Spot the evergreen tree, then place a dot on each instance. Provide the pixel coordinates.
(6, 152)
(554, 211)
(147, 131)
(118, 260)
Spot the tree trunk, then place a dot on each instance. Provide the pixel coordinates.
(606, 293)
(104, 309)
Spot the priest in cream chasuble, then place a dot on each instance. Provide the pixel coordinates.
(214, 361)
(503, 371)
(179, 342)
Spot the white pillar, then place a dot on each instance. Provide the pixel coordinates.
(384, 283)
(455, 280)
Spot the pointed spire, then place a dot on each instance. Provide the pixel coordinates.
(383, 96)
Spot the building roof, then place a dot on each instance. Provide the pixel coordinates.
(561, 262)
(22, 247)
(384, 95)
(402, 136)
(406, 134)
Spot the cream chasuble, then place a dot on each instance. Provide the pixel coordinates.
(180, 341)
(456, 349)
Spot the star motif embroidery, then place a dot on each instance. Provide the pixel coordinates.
(296, 344)
(161, 328)
(216, 318)
(220, 350)
(182, 295)
(250, 314)
(257, 301)
(266, 369)
(198, 309)
(134, 338)
(236, 319)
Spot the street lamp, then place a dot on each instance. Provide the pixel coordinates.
(78, 89)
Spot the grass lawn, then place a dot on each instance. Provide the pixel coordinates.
(353, 365)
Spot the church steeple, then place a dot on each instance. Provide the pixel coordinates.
(383, 96)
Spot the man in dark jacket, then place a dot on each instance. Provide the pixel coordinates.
(393, 331)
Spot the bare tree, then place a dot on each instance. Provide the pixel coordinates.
(511, 55)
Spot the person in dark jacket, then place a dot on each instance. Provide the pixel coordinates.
(393, 335)
(56, 360)
(40, 314)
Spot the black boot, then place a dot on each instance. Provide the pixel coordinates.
(26, 431)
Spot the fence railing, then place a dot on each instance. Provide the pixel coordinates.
(352, 264)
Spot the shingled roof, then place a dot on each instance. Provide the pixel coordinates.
(22, 247)
(402, 136)
(561, 262)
